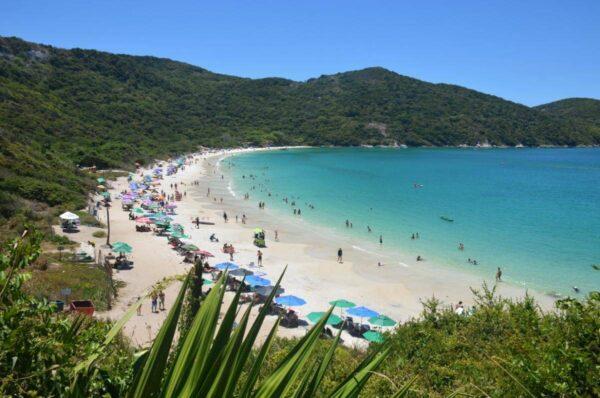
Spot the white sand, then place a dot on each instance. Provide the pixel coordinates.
(309, 252)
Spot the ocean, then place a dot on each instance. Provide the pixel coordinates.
(535, 213)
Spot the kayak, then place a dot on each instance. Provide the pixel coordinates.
(446, 219)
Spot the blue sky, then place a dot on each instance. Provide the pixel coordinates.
(530, 52)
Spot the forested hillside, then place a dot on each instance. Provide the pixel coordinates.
(61, 108)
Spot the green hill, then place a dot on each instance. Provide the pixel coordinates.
(61, 108)
(580, 110)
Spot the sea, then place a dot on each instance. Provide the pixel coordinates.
(533, 212)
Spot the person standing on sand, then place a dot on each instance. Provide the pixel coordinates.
(340, 256)
(161, 300)
(224, 216)
(276, 236)
(381, 239)
(259, 258)
(197, 222)
(139, 309)
(499, 275)
(154, 302)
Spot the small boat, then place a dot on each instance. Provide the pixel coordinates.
(446, 219)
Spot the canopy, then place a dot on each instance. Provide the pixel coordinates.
(240, 272)
(254, 280)
(204, 253)
(382, 320)
(69, 216)
(179, 235)
(122, 247)
(226, 266)
(315, 317)
(266, 290)
(362, 312)
(342, 303)
(373, 336)
(290, 301)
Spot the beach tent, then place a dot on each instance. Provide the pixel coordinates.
(68, 216)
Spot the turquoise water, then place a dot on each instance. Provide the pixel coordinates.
(533, 212)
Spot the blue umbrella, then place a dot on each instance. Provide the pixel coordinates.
(254, 280)
(362, 312)
(290, 301)
(228, 266)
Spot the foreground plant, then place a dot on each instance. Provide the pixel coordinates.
(215, 357)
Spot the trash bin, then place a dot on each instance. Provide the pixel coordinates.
(60, 305)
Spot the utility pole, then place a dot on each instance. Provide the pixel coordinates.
(107, 224)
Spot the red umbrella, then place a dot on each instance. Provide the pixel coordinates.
(143, 220)
(204, 253)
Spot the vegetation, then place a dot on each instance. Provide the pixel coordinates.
(63, 108)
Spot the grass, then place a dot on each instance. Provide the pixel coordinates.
(99, 234)
(86, 281)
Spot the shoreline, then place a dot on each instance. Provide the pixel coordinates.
(308, 252)
(419, 280)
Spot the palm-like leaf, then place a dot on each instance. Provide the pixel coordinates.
(213, 354)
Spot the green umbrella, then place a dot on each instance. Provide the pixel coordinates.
(100, 180)
(382, 320)
(190, 248)
(206, 282)
(374, 337)
(139, 210)
(162, 223)
(179, 235)
(121, 247)
(105, 194)
(315, 317)
(342, 303)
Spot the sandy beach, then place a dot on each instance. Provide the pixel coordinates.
(309, 253)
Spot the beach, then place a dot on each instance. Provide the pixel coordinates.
(308, 254)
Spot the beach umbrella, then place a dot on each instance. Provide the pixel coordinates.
(162, 223)
(204, 253)
(267, 290)
(206, 282)
(100, 180)
(143, 220)
(189, 247)
(315, 317)
(373, 336)
(171, 206)
(254, 280)
(101, 187)
(290, 301)
(226, 266)
(240, 272)
(382, 320)
(179, 235)
(362, 312)
(68, 216)
(139, 210)
(106, 194)
(122, 247)
(342, 303)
